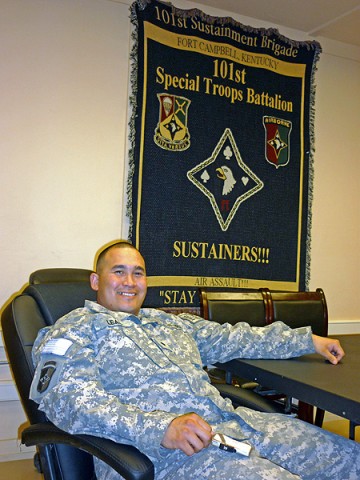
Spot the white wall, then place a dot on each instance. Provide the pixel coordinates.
(64, 80)
(63, 103)
(336, 209)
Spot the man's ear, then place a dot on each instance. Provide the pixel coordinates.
(94, 281)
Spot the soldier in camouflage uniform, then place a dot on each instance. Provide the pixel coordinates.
(136, 376)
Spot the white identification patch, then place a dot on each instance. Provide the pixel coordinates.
(57, 346)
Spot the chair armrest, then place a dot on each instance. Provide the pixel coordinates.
(125, 459)
(241, 397)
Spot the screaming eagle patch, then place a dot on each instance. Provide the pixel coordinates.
(45, 376)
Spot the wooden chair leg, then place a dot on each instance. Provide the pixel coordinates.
(306, 412)
(319, 417)
(352, 430)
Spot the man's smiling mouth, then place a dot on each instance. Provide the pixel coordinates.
(126, 294)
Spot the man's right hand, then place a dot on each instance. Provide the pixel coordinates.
(189, 433)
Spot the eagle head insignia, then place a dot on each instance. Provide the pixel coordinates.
(225, 174)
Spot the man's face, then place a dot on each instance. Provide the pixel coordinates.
(121, 282)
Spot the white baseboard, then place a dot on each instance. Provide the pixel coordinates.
(344, 327)
(12, 450)
(8, 391)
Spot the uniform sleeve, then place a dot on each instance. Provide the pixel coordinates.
(68, 389)
(221, 343)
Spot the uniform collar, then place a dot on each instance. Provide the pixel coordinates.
(146, 315)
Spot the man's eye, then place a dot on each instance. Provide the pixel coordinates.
(119, 272)
(139, 274)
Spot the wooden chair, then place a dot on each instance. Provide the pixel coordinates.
(263, 307)
(297, 309)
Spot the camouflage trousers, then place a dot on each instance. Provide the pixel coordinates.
(284, 448)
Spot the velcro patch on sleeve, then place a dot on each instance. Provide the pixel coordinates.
(57, 346)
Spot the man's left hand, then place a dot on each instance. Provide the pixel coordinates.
(329, 348)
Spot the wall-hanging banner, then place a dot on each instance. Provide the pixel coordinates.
(221, 153)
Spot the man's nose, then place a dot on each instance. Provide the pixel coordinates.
(129, 279)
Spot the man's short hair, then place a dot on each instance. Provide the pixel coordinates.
(102, 254)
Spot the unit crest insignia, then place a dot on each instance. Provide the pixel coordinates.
(171, 132)
(277, 140)
(225, 179)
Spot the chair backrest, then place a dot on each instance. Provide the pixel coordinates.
(38, 306)
(233, 307)
(59, 275)
(297, 309)
(263, 307)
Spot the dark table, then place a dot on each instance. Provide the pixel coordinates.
(311, 379)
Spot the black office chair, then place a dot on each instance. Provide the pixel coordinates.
(63, 456)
